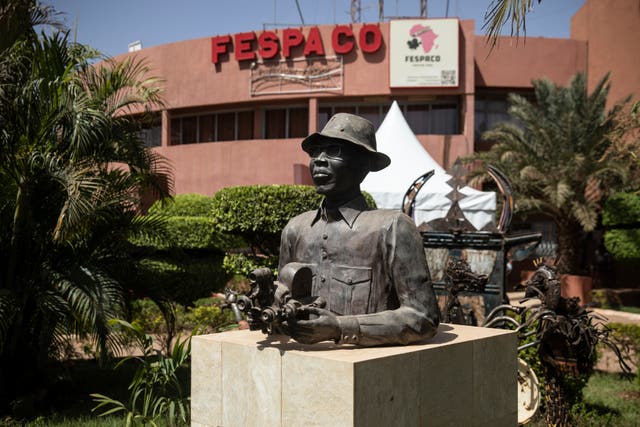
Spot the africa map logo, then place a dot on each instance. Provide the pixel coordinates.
(426, 36)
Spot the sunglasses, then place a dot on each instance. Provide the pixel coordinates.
(333, 151)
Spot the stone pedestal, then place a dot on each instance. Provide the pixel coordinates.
(465, 376)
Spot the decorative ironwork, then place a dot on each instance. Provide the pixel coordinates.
(302, 75)
(458, 278)
(564, 333)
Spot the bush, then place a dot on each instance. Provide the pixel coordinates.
(621, 211)
(156, 393)
(183, 205)
(258, 213)
(623, 244)
(629, 335)
(205, 314)
(189, 232)
(184, 278)
(244, 264)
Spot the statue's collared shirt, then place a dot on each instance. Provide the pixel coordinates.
(369, 266)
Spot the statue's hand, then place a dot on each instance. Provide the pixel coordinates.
(324, 327)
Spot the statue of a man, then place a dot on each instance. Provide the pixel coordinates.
(369, 265)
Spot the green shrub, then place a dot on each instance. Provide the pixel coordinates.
(207, 315)
(146, 316)
(629, 335)
(623, 244)
(258, 213)
(621, 209)
(189, 232)
(156, 393)
(183, 205)
(184, 278)
(244, 264)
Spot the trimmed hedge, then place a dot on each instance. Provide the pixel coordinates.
(621, 210)
(189, 232)
(183, 205)
(258, 213)
(623, 244)
(186, 278)
(185, 262)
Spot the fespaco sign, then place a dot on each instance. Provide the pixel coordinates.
(424, 53)
(268, 44)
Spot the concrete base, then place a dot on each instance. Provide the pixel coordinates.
(465, 376)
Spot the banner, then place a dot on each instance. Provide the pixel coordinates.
(424, 53)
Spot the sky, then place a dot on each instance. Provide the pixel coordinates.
(110, 25)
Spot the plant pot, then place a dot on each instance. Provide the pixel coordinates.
(576, 286)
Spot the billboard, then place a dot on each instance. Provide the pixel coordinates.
(424, 53)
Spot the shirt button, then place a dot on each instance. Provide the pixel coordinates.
(324, 255)
(325, 237)
(349, 281)
(322, 279)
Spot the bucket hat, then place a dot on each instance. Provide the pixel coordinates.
(352, 129)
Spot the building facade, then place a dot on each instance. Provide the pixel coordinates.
(237, 106)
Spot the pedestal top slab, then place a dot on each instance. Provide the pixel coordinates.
(448, 334)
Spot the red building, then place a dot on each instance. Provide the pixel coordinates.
(237, 106)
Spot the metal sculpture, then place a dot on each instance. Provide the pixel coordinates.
(459, 278)
(564, 333)
(409, 198)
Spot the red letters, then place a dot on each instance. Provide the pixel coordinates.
(370, 38)
(314, 43)
(292, 38)
(219, 46)
(243, 46)
(268, 42)
(338, 46)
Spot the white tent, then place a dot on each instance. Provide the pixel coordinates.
(409, 160)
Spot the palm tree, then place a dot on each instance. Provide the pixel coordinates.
(71, 167)
(560, 157)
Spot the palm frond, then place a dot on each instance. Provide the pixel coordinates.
(500, 12)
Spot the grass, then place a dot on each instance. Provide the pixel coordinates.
(629, 309)
(609, 401)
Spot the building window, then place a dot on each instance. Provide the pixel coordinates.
(440, 117)
(244, 120)
(227, 126)
(488, 113)
(373, 112)
(207, 128)
(286, 123)
(189, 130)
(491, 109)
(151, 132)
(176, 131)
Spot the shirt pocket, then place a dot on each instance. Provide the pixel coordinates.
(350, 290)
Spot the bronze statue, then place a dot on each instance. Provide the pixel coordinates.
(347, 273)
(369, 267)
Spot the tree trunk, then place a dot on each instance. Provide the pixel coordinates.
(571, 247)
